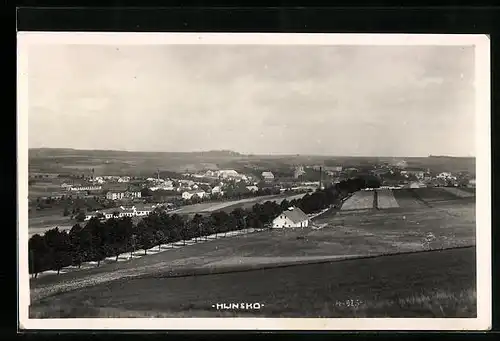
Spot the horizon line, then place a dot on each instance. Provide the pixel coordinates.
(252, 154)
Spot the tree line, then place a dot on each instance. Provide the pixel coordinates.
(99, 239)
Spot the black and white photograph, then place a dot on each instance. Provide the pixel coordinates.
(254, 181)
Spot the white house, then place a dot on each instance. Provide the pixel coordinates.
(85, 188)
(120, 212)
(189, 194)
(143, 210)
(227, 173)
(267, 176)
(293, 217)
(253, 188)
(210, 174)
(444, 175)
(120, 195)
(419, 174)
(217, 190)
(472, 183)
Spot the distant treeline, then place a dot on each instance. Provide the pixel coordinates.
(97, 239)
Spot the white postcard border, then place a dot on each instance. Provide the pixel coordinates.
(483, 185)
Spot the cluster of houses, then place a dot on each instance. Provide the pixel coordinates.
(290, 218)
(80, 188)
(122, 211)
(120, 195)
(109, 178)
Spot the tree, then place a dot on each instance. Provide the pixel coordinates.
(38, 253)
(196, 226)
(160, 238)
(238, 215)
(284, 204)
(98, 235)
(74, 240)
(80, 217)
(133, 244)
(145, 235)
(146, 192)
(58, 242)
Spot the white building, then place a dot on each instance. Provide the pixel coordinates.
(122, 211)
(253, 189)
(299, 171)
(190, 194)
(210, 174)
(419, 174)
(120, 195)
(267, 176)
(98, 179)
(216, 190)
(85, 188)
(445, 175)
(227, 173)
(293, 217)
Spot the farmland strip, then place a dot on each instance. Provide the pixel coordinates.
(458, 192)
(360, 200)
(386, 199)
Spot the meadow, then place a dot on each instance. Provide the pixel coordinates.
(385, 199)
(360, 200)
(230, 205)
(404, 285)
(344, 235)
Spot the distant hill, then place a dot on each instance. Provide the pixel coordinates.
(450, 157)
(105, 162)
(68, 152)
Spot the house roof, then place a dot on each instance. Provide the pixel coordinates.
(144, 207)
(228, 171)
(415, 170)
(194, 192)
(296, 215)
(267, 174)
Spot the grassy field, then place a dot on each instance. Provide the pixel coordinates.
(458, 192)
(429, 284)
(385, 199)
(407, 199)
(360, 200)
(217, 205)
(426, 284)
(432, 195)
(372, 233)
(41, 223)
(249, 204)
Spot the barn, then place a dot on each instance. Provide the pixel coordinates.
(293, 217)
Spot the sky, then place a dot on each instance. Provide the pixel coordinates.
(254, 99)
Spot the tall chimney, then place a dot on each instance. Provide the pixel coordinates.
(320, 176)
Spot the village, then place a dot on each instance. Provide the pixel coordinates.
(112, 196)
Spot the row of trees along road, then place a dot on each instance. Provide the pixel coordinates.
(100, 239)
